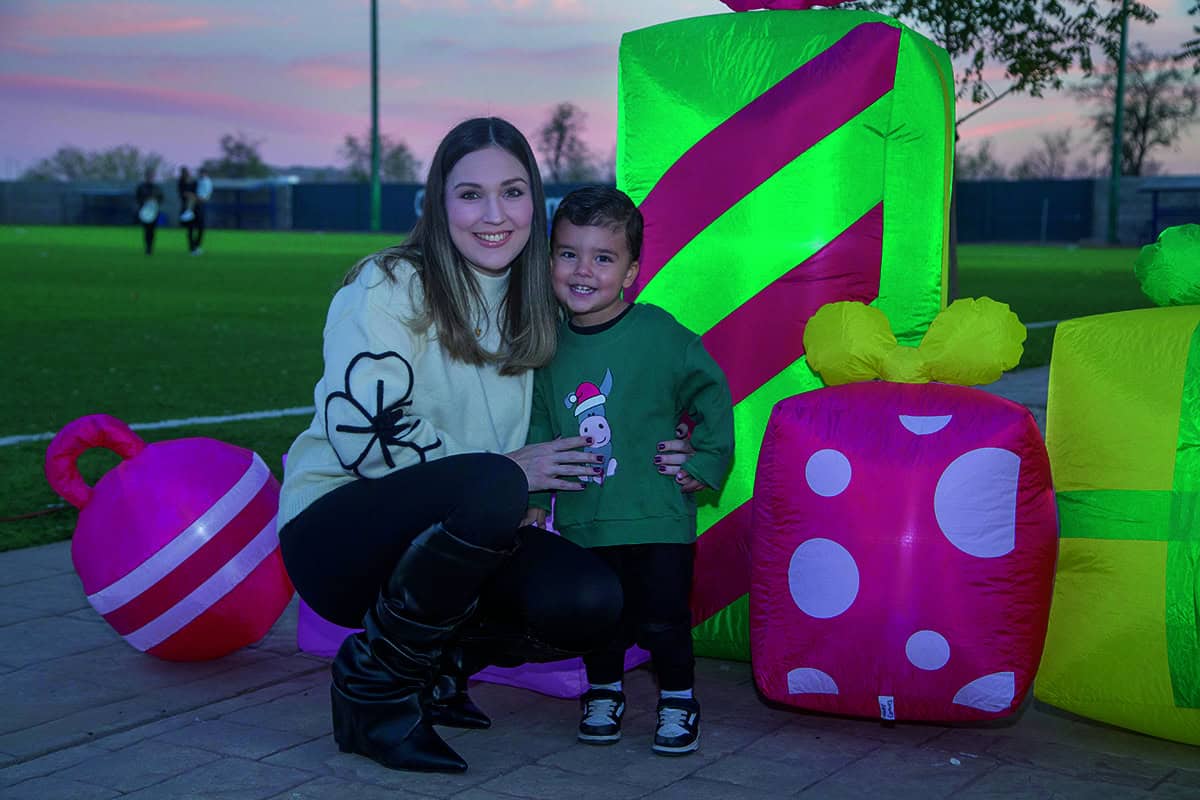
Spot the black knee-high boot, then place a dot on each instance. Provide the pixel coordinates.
(383, 677)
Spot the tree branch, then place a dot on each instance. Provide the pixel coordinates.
(985, 106)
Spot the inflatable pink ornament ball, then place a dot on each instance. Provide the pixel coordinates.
(176, 546)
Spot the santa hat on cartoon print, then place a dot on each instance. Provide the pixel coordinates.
(586, 397)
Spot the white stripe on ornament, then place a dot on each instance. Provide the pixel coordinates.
(179, 549)
(206, 595)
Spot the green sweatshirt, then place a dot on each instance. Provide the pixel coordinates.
(626, 387)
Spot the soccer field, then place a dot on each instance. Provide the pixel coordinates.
(91, 325)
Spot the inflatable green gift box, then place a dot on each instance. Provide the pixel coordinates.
(783, 160)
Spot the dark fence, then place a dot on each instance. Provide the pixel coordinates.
(346, 206)
(988, 211)
(1025, 211)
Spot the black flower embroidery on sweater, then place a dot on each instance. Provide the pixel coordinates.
(376, 416)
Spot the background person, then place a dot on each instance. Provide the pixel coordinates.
(148, 198)
(204, 190)
(186, 186)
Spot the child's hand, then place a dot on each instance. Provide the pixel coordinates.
(535, 517)
(688, 484)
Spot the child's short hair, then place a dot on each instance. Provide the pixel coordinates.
(603, 206)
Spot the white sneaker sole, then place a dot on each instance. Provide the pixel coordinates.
(666, 750)
(600, 738)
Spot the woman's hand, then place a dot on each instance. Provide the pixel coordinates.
(558, 464)
(672, 455)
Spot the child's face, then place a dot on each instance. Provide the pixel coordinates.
(489, 209)
(590, 266)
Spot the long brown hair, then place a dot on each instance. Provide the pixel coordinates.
(528, 315)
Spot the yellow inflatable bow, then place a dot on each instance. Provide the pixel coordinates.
(971, 342)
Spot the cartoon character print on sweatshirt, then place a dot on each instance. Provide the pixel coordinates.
(371, 411)
(588, 401)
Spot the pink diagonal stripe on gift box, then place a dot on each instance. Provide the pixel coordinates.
(752, 345)
(763, 137)
(722, 563)
(765, 334)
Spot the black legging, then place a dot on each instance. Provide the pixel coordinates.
(340, 551)
(657, 579)
(148, 235)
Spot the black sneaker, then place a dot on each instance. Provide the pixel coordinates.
(602, 712)
(678, 726)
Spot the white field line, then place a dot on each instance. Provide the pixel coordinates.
(5, 441)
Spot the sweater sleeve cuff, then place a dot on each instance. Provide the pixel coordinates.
(705, 467)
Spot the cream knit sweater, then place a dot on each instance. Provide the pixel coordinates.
(390, 398)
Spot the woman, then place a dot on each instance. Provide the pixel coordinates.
(401, 503)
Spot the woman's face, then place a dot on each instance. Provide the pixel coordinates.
(489, 208)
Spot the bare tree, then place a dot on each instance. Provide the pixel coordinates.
(240, 158)
(978, 164)
(396, 161)
(123, 163)
(1161, 102)
(1050, 159)
(606, 169)
(565, 156)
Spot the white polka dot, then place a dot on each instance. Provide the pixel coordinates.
(927, 650)
(975, 502)
(827, 472)
(923, 426)
(993, 692)
(806, 680)
(823, 578)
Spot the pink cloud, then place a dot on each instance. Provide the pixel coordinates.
(103, 20)
(1023, 123)
(118, 19)
(110, 96)
(330, 73)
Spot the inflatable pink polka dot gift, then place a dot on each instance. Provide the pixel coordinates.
(903, 543)
(176, 546)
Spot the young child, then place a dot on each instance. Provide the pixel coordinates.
(624, 374)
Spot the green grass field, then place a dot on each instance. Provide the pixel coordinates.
(89, 325)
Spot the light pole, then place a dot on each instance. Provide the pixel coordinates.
(376, 189)
(1114, 180)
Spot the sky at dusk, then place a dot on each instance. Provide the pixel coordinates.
(172, 76)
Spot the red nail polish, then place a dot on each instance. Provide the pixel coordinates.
(662, 469)
(658, 459)
(662, 446)
(589, 440)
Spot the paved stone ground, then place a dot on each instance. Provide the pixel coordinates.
(82, 715)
